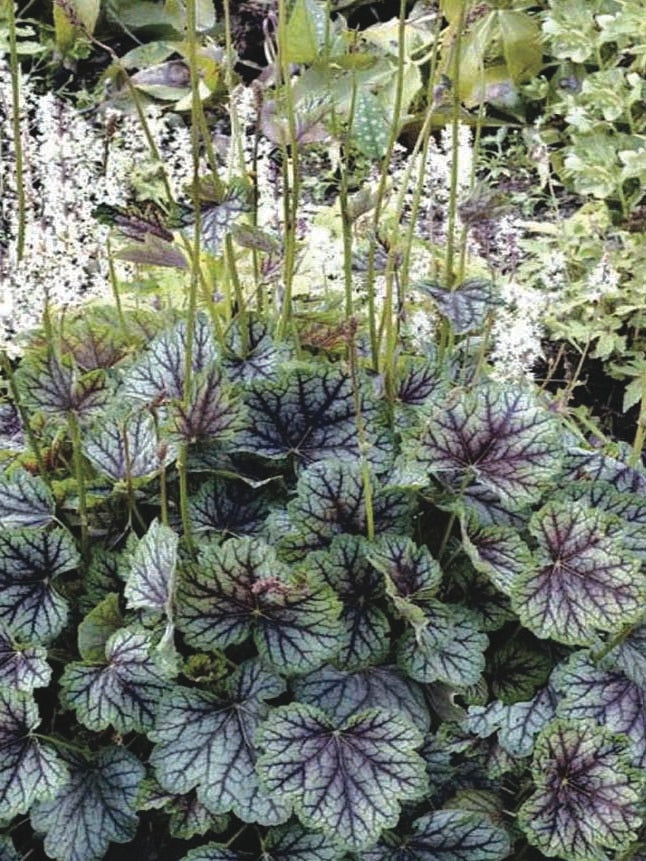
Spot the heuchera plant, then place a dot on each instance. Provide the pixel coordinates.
(275, 615)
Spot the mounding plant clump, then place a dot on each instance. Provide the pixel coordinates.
(255, 608)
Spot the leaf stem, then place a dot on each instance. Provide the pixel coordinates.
(75, 435)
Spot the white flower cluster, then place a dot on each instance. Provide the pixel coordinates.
(71, 163)
(517, 331)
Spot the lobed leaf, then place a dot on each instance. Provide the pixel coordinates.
(31, 561)
(211, 412)
(583, 581)
(22, 667)
(205, 742)
(96, 806)
(233, 510)
(127, 448)
(517, 725)
(25, 500)
(629, 656)
(466, 306)
(124, 692)
(445, 835)
(29, 769)
(55, 387)
(587, 798)
(240, 588)
(256, 357)
(150, 583)
(346, 780)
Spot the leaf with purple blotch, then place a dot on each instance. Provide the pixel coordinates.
(331, 500)
(609, 698)
(212, 413)
(240, 588)
(345, 780)
(128, 447)
(25, 500)
(584, 465)
(444, 835)
(97, 806)
(342, 694)
(466, 306)
(517, 725)
(31, 561)
(582, 582)
(629, 656)
(56, 387)
(587, 798)
(215, 852)
(123, 691)
(344, 566)
(498, 552)
(29, 769)
(629, 509)
(159, 375)
(227, 508)
(206, 742)
(22, 667)
(311, 414)
(496, 436)
(257, 357)
(449, 648)
(411, 575)
(418, 379)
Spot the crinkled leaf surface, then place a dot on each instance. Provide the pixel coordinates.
(22, 667)
(189, 817)
(159, 375)
(295, 843)
(96, 806)
(445, 835)
(346, 780)
(583, 581)
(516, 668)
(207, 742)
(345, 567)
(150, 581)
(97, 627)
(609, 698)
(124, 448)
(230, 509)
(8, 851)
(211, 412)
(331, 500)
(29, 769)
(342, 694)
(447, 648)
(587, 797)
(418, 381)
(629, 509)
(31, 561)
(257, 358)
(518, 724)
(124, 692)
(498, 552)
(411, 575)
(57, 387)
(583, 464)
(629, 656)
(466, 306)
(497, 437)
(25, 500)
(240, 587)
(310, 414)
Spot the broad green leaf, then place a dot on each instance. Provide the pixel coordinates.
(587, 798)
(127, 448)
(22, 667)
(517, 725)
(516, 668)
(495, 436)
(305, 32)
(159, 375)
(227, 508)
(124, 691)
(366, 628)
(310, 414)
(150, 582)
(211, 412)
(205, 742)
(412, 577)
(448, 648)
(346, 780)
(240, 588)
(582, 582)
(97, 627)
(25, 500)
(445, 835)
(96, 806)
(467, 306)
(370, 125)
(521, 40)
(331, 500)
(608, 698)
(342, 694)
(31, 561)
(56, 387)
(29, 769)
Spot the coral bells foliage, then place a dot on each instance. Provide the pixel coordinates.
(269, 615)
